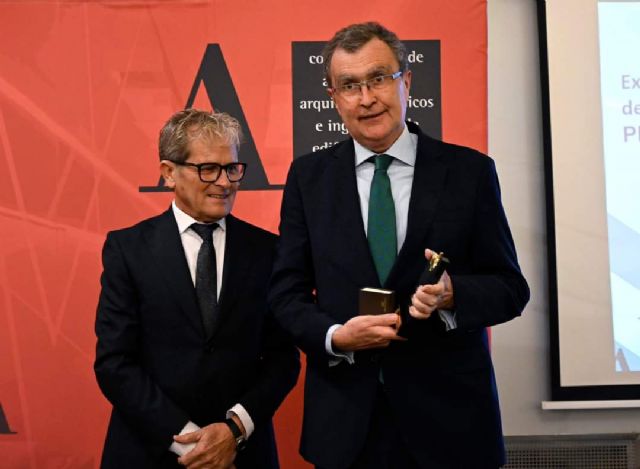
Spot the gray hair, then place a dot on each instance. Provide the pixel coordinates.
(191, 124)
(354, 36)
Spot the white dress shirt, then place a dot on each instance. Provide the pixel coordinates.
(191, 242)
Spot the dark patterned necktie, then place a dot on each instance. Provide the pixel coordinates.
(206, 278)
(381, 223)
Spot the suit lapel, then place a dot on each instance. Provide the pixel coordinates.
(166, 246)
(237, 259)
(349, 240)
(428, 183)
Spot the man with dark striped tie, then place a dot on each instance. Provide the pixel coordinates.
(188, 353)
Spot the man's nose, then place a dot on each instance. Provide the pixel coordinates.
(223, 179)
(367, 97)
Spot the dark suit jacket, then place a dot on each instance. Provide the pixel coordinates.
(153, 361)
(440, 384)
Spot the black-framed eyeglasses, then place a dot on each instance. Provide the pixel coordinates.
(210, 172)
(379, 82)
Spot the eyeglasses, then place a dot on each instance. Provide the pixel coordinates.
(379, 82)
(210, 172)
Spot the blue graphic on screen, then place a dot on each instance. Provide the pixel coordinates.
(619, 24)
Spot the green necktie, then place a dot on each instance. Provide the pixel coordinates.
(381, 225)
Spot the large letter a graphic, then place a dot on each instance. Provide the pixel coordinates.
(4, 425)
(214, 76)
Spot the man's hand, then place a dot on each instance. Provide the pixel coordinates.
(365, 332)
(215, 447)
(429, 298)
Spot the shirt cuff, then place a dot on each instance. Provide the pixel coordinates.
(339, 356)
(448, 318)
(183, 448)
(245, 418)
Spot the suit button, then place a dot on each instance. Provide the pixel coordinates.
(209, 348)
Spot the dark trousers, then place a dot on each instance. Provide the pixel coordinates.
(384, 447)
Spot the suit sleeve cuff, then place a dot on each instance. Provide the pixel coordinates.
(181, 448)
(448, 318)
(339, 356)
(245, 418)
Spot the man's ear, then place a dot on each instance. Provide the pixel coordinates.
(406, 78)
(167, 170)
(332, 94)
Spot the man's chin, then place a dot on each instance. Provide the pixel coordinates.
(212, 216)
(376, 141)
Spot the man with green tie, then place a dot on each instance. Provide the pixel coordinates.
(369, 212)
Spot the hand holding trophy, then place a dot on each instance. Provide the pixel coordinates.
(430, 277)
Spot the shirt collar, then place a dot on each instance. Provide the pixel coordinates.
(403, 149)
(185, 221)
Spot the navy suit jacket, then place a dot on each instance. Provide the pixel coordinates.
(440, 384)
(153, 360)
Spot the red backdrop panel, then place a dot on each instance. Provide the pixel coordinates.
(84, 89)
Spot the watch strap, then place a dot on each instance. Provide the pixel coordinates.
(236, 432)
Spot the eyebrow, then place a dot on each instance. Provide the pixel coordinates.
(379, 70)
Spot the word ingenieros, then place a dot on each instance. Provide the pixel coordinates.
(331, 126)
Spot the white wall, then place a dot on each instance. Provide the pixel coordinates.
(521, 347)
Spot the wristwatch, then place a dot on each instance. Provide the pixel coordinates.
(237, 433)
